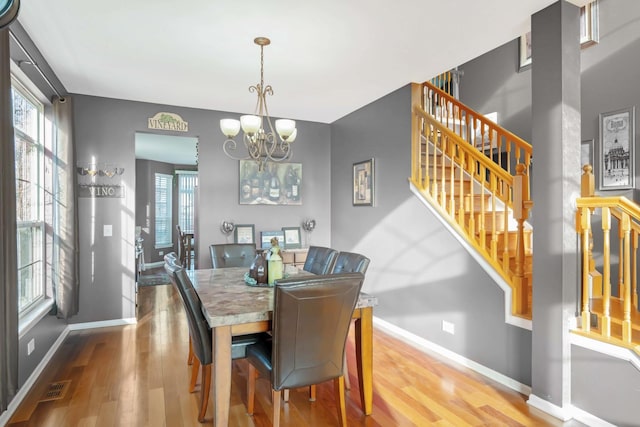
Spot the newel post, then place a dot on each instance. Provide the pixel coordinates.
(521, 206)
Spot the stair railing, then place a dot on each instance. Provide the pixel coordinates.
(462, 163)
(605, 314)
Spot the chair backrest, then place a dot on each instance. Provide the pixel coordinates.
(311, 319)
(232, 255)
(198, 327)
(320, 260)
(350, 262)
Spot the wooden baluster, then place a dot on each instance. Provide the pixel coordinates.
(483, 209)
(585, 224)
(621, 260)
(626, 322)
(416, 134)
(494, 221)
(634, 271)
(606, 251)
(626, 255)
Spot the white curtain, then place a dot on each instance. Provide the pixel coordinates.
(8, 245)
(65, 275)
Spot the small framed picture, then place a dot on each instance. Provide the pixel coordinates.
(266, 236)
(617, 139)
(244, 233)
(363, 183)
(525, 51)
(292, 237)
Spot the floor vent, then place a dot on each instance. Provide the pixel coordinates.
(56, 391)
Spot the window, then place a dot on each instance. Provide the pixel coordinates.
(28, 122)
(164, 184)
(187, 181)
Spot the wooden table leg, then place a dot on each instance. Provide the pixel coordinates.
(222, 375)
(364, 356)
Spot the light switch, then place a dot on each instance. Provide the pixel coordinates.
(108, 230)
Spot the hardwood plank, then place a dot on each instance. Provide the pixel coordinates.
(137, 375)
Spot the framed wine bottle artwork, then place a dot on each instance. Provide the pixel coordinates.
(363, 183)
(275, 184)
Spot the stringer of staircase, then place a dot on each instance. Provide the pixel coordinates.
(476, 175)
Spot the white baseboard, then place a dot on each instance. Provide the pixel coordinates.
(588, 419)
(428, 346)
(102, 324)
(26, 387)
(149, 265)
(549, 408)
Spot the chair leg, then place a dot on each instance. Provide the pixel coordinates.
(190, 357)
(251, 388)
(194, 374)
(285, 395)
(312, 393)
(275, 397)
(204, 392)
(338, 384)
(347, 381)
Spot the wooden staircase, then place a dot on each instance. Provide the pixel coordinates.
(609, 303)
(461, 164)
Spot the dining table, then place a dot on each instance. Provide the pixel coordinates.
(233, 307)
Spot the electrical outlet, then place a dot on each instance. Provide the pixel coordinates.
(448, 327)
(31, 346)
(161, 253)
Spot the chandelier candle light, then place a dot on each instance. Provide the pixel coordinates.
(262, 144)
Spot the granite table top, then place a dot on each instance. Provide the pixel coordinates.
(228, 300)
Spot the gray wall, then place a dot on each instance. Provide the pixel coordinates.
(419, 272)
(105, 131)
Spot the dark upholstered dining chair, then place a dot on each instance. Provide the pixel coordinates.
(311, 318)
(320, 260)
(201, 339)
(232, 254)
(350, 262)
(171, 265)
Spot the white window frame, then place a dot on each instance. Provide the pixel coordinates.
(31, 311)
(163, 211)
(187, 183)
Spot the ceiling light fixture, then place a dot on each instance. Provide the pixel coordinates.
(262, 143)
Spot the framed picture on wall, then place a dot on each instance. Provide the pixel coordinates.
(292, 237)
(617, 133)
(244, 233)
(363, 183)
(266, 236)
(275, 184)
(524, 50)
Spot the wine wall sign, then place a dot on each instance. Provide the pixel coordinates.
(277, 184)
(100, 180)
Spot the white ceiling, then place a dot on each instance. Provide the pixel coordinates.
(326, 58)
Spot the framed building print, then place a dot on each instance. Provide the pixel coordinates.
(617, 133)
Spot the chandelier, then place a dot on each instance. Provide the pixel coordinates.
(262, 143)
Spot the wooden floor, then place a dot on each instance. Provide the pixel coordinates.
(137, 376)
